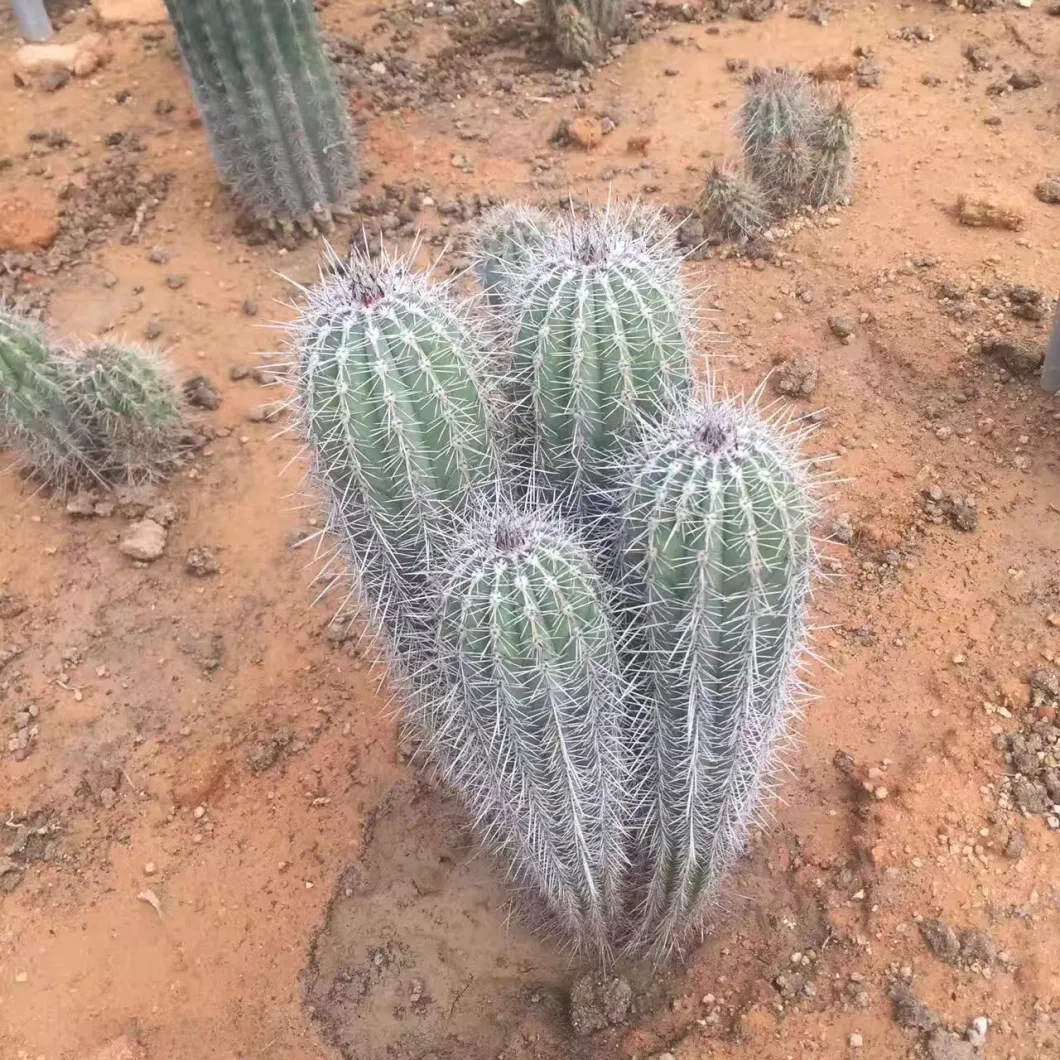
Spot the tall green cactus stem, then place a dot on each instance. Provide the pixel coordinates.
(275, 120)
(600, 344)
(529, 724)
(395, 407)
(732, 204)
(581, 29)
(717, 544)
(832, 162)
(505, 237)
(124, 398)
(777, 119)
(36, 416)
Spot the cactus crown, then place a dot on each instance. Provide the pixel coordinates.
(505, 238)
(732, 204)
(131, 409)
(600, 329)
(393, 399)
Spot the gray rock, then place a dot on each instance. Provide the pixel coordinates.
(945, 1046)
(201, 562)
(597, 1003)
(842, 326)
(910, 1011)
(977, 947)
(1019, 359)
(1030, 796)
(1048, 190)
(796, 377)
(941, 939)
(144, 541)
(1047, 679)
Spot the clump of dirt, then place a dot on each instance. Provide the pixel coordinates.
(114, 197)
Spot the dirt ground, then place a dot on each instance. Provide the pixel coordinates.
(213, 843)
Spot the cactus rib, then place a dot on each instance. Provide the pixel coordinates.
(600, 344)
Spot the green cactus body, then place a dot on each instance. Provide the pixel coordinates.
(529, 725)
(396, 411)
(276, 123)
(131, 410)
(732, 205)
(777, 120)
(36, 416)
(599, 347)
(716, 534)
(832, 147)
(504, 241)
(582, 28)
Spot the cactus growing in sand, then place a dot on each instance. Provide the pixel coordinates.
(395, 405)
(274, 117)
(131, 410)
(504, 239)
(777, 120)
(36, 416)
(732, 204)
(832, 145)
(600, 344)
(108, 414)
(528, 726)
(582, 28)
(718, 553)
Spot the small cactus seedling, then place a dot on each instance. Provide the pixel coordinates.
(582, 28)
(504, 240)
(124, 398)
(600, 328)
(718, 553)
(274, 117)
(528, 720)
(777, 120)
(36, 415)
(732, 204)
(832, 158)
(395, 407)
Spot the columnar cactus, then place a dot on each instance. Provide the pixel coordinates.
(36, 416)
(528, 726)
(600, 327)
(582, 28)
(832, 144)
(393, 401)
(716, 534)
(276, 123)
(505, 238)
(124, 398)
(732, 204)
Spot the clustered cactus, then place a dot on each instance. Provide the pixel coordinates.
(581, 28)
(273, 114)
(103, 414)
(593, 577)
(798, 148)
